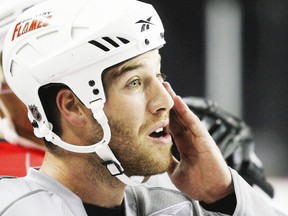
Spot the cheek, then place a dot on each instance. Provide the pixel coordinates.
(130, 110)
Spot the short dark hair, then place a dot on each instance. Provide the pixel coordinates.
(48, 94)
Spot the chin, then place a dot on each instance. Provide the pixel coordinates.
(152, 166)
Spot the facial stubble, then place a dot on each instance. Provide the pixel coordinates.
(137, 157)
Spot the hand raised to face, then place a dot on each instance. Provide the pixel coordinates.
(202, 172)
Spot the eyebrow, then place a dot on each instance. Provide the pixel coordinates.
(124, 69)
(129, 67)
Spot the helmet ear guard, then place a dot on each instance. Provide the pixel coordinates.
(76, 44)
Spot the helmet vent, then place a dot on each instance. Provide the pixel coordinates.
(99, 45)
(109, 40)
(109, 43)
(13, 67)
(123, 40)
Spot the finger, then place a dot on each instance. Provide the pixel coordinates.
(180, 107)
(186, 118)
(182, 118)
(169, 89)
(180, 104)
(175, 125)
(177, 128)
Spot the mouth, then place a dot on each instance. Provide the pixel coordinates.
(159, 132)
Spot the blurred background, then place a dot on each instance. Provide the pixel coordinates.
(235, 52)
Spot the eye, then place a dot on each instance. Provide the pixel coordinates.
(134, 83)
(162, 77)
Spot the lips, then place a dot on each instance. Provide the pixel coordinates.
(160, 133)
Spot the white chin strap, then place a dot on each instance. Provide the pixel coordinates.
(101, 148)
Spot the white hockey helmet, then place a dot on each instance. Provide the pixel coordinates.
(72, 42)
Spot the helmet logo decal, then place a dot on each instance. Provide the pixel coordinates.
(35, 113)
(145, 24)
(31, 24)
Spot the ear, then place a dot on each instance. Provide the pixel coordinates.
(71, 108)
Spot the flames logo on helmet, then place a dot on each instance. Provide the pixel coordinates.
(31, 24)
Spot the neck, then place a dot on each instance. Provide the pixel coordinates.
(84, 175)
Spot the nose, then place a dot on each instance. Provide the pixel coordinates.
(159, 98)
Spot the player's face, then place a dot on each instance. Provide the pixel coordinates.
(137, 107)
